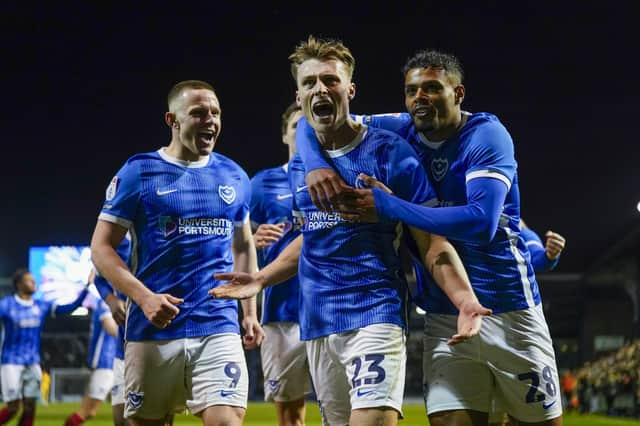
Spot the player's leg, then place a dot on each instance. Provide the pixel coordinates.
(374, 358)
(100, 383)
(31, 378)
(154, 377)
(286, 371)
(290, 413)
(457, 383)
(117, 393)
(218, 379)
(330, 382)
(10, 379)
(524, 366)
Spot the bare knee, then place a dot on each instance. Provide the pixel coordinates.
(458, 418)
(291, 413)
(379, 416)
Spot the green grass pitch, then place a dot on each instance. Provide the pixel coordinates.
(260, 414)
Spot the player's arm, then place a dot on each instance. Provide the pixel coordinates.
(545, 257)
(446, 268)
(476, 221)
(243, 285)
(325, 185)
(109, 324)
(159, 309)
(108, 294)
(323, 182)
(244, 260)
(70, 307)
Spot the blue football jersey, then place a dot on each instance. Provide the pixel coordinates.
(350, 273)
(500, 271)
(181, 216)
(102, 346)
(271, 202)
(23, 322)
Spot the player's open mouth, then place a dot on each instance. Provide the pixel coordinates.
(206, 136)
(322, 109)
(422, 111)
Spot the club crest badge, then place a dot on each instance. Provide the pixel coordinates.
(227, 193)
(360, 184)
(135, 399)
(111, 189)
(439, 168)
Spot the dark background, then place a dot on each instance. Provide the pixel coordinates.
(84, 88)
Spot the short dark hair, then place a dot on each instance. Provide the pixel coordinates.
(186, 84)
(291, 109)
(435, 59)
(18, 275)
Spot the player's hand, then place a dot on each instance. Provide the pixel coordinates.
(372, 182)
(240, 286)
(160, 309)
(253, 332)
(359, 205)
(267, 234)
(325, 186)
(117, 308)
(554, 245)
(469, 321)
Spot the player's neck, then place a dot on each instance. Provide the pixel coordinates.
(24, 296)
(447, 130)
(340, 137)
(179, 152)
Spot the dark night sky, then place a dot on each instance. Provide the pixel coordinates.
(86, 87)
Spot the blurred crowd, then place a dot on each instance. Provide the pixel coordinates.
(608, 385)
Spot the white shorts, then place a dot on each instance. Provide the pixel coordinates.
(512, 360)
(20, 381)
(100, 383)
(117, 391)
(166, 376)
(284, 363)
(364, 368)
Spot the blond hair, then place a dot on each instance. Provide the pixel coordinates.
(321, 49)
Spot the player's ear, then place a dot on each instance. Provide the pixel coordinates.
(170, 119)
(298, 102)
(352, 91)
(459, 93)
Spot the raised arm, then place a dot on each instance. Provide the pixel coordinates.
(68, 308)
(159, 309)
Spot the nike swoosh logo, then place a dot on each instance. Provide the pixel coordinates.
(168, 191)
(547, 406)
(225, 393)
(301, 188)
(361, 393)
(283, 196)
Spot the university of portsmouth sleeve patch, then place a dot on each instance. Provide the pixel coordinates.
(227, 193)
(111, 189)
(135, 399)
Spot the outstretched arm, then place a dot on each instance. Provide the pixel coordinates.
(444, 264)
(243, 285)
(244, 260)
(68, 308)
(475, 221)
(159, 309)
